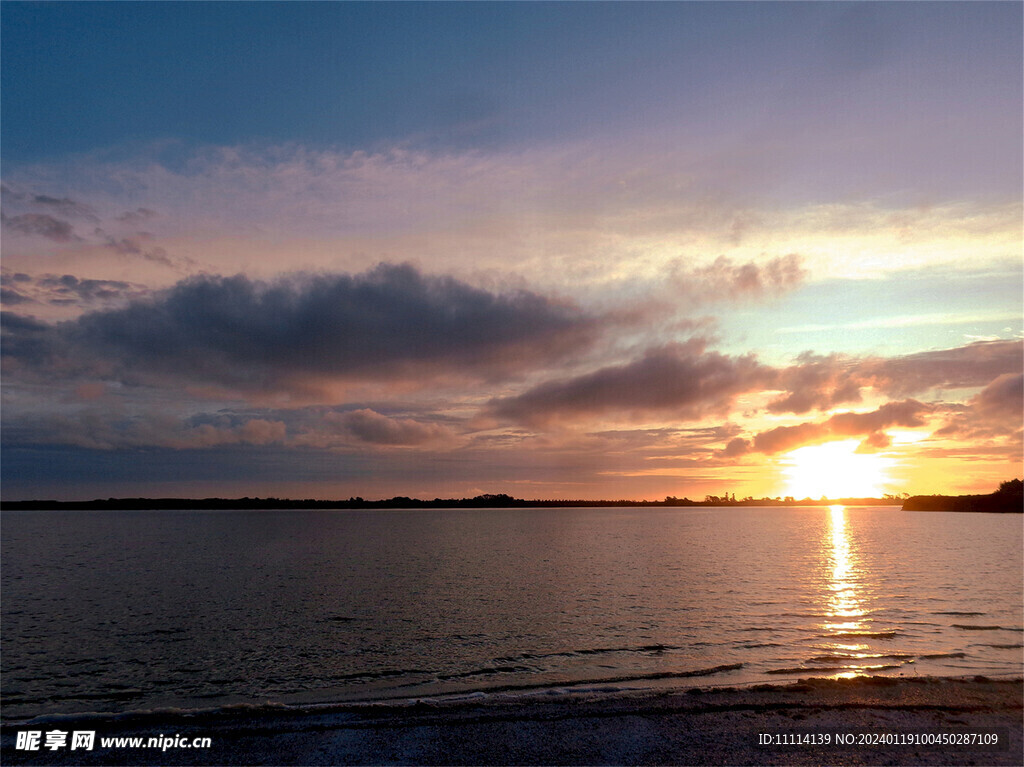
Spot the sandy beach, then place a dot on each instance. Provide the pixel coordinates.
(883, 720)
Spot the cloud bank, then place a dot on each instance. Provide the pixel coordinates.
(681, 381)
(391, 321)
(908, 413)
(817, 382)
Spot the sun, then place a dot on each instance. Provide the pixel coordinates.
(835, 470)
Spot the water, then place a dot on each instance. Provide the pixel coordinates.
(113, 611)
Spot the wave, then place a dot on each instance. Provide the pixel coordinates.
(820, 669)
(374, 675)
(590, 682)
(651, 648)
(159, 632)
(966, 627)
(646, 677)
(819, 615)
(1004, 646)
(655, 648)
(486, 671)
(601, 684)
(660, 675)
(861, 635)
(840, 657)
(108, 695)
(805, 669)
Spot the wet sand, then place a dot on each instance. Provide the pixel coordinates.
(712, 726)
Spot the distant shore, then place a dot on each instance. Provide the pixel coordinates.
(1008, 498)
(994, 503)
(864, 721)
(402, 502)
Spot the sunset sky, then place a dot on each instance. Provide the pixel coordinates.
(551, 250)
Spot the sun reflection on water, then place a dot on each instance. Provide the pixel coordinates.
(844, 608)
(843, 602)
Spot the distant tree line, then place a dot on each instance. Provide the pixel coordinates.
(485, 501)
(1009, 498)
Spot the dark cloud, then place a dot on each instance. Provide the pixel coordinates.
(784, 438)
(301, 329)
(63, 206)
(817, 382)
(85, 420)
(125, 246)
(12, 297)
(15, 323)
(823, 382)
(10, 282)
(963, 367)
(675, 377)
(369, 426)
(133, 246)
(997, 411)
(137, 216)
(24, 341)
(66, 290)
(1004, 396)
(159, 255)
(642, 448)
(908, 413)
(669, 436)
(736, 447)
(67, 287)
(40, 224)
(724, 279)
(99, 429)
(684, 380)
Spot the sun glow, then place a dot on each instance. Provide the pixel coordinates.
(835, 470)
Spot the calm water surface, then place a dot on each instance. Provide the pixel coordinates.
(110, 611)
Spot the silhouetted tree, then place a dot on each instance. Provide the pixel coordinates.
(1011, 487)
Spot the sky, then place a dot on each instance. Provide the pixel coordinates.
(554, 250)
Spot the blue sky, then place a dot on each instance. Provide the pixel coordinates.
(78, 77)
(773, 202)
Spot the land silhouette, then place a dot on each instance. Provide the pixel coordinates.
(1008, 498)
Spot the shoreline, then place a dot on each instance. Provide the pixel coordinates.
(695, 725)
(412, 504)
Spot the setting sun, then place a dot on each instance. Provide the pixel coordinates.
(835, 470)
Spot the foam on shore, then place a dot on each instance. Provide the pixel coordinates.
(702, 725)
